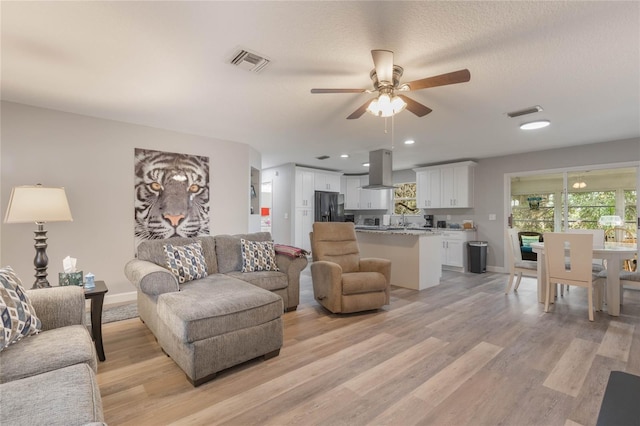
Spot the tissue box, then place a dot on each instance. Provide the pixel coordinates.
(70, 278)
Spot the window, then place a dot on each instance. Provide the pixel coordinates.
(533, 212)
(585, 208)
(404, 199)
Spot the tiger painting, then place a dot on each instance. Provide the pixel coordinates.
(171, 195)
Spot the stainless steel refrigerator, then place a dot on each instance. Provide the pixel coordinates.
(327, 208)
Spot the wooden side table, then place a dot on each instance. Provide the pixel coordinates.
(96, 295)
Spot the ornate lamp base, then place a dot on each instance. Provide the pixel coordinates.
(41, 260)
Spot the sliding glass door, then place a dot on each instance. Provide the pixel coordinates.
(579, 199)
(536, 202)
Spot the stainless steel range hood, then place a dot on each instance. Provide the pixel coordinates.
(380, 173)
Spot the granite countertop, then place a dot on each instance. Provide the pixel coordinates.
(397, 230)
(410, 230)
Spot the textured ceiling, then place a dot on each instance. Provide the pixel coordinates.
(165, 64)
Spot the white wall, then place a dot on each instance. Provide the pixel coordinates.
(282, 180)
(93, 159)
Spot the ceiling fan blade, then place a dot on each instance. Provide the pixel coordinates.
(383, 61)
(461, 76)
(338, 90)
(415, 107)
(358, 113)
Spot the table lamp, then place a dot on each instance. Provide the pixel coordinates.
(38, 204)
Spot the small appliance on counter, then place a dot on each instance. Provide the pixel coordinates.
(349, 218)
(428, 221)
(442, 224)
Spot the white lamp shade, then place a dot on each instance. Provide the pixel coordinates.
(610, 221)
(37, 204)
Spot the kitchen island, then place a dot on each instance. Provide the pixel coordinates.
(414, 253)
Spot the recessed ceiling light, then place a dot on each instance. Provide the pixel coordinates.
(532, 125)
(409, 142)
(344, 156)
(365, 164)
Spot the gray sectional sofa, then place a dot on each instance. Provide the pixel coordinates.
(228, 317)
(49, 378)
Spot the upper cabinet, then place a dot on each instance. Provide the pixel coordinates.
(457, 186)
(304, 187)
(352, 192)
(327, 181)
(445, 186)
(356, 198)
(308, 181)
(428, 192)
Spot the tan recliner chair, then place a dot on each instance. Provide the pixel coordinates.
(342, 281)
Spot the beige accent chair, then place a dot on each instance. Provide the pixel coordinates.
(518, 266)
(577, 270)
(342, 281)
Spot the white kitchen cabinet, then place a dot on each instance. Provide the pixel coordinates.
(445, 186)
(304, 188)
(357, 198)
(454, 248)
(428, 192)
(352, 193)
(327, 181)
(373, 199)
(303, 225)
(457, 186)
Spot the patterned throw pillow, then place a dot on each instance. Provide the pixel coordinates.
(186, 262)
(18, 316)
(258, 256)
(527, 240)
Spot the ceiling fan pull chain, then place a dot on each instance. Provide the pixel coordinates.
(392, 132)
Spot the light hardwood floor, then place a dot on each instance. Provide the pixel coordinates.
(461, 353)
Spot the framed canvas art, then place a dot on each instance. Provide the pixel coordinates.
(171, 195)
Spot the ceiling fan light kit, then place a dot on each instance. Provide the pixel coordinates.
(384, 106)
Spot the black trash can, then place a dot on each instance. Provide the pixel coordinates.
(478, 256)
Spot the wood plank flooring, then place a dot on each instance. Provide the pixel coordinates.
(461, 353)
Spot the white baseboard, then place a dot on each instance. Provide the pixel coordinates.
(120, 298)
(489, 269)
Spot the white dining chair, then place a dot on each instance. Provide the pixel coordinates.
(517, 266)
(629, 280)
(597, 265)
(577, 270)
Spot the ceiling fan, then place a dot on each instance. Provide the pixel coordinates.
(386, 81)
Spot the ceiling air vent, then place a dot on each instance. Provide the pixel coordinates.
(249, 61)
(322, 157)
(525, 111)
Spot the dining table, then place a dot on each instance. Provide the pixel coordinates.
(613, 252)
